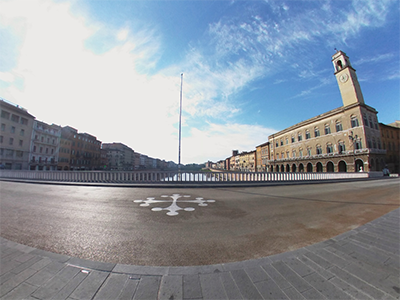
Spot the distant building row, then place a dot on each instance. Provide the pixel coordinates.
(29, 144)
(346, 139)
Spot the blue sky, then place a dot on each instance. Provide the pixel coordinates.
(251, 68)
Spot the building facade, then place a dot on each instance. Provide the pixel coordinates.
(15, 136)
(64, 155)
(85, 150)
(346, 139)
(120, 157)
(262, 157)
(390, 135)
(45, 145)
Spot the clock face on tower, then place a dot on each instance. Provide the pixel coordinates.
(343, 77)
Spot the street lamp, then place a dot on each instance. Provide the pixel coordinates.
(353, 139)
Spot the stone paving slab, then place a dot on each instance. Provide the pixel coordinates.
(363, 263)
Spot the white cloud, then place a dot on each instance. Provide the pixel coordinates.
(214, 141)
(102, 94)
(122, 35)
(109, 95)
(7, 77)
(375, 58)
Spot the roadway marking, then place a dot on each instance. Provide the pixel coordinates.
(173, 208)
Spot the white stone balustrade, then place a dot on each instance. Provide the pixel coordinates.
(172, 176)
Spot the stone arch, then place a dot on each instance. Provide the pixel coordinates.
(301, 168)
(294, 168)
(339, 65)
(287, 168)
(272, 168)
(309, 167)
(359, 165)
(319, 167)
(330, 167)
(342, 166)
(282, 168)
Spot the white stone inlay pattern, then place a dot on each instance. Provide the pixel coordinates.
(173, 208)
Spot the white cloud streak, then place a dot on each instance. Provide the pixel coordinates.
(215, 140)
(102, 94)
(108, 94)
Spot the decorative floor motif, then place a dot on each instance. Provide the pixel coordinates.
(174, 207)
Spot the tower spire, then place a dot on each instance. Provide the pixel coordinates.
(347, 79)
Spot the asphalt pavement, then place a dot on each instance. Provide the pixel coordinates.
(326, 241)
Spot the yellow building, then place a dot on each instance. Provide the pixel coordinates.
(262, 157)
(391, 143)
(345, 139)
(15, 136)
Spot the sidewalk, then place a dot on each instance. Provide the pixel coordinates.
(360, 264)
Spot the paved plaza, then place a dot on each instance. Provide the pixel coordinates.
(360, 263)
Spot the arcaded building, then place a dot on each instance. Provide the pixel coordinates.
(345, 139)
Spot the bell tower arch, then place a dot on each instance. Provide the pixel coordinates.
(347, 79)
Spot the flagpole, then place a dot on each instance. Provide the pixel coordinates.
(180, 125)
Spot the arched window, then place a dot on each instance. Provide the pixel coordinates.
(299, 136)
(342, 147)
(358, 144)
(308, 135)
(309, 151)
(327, 129)
(319, 149)
(319, 167)
(339, 126)
(365, 119)
(316, 132)
(342, 166)
(330, 168)
(329, 148)
(354, 121)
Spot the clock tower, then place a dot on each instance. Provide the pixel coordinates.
(347, 79)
